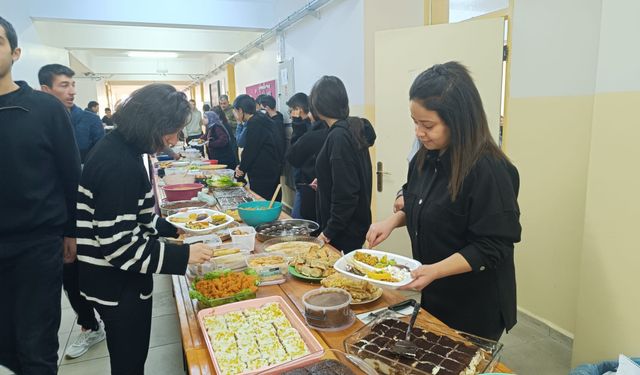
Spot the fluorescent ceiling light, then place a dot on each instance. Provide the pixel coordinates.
(166, 55)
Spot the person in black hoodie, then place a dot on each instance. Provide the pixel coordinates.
(343, 168)
(40, 173)
(261, 157)
(306, 142)
(461, 207)
(268, 104)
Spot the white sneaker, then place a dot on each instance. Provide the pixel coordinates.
(85, 340)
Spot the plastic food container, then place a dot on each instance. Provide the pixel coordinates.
(181, 192)
(170, 208)
(233, 262)
(332, 362)
(257, 212)
(271, 267)
(225, 172)
(315, 349)
(245, 236)
(241, 295)
(327, 309)
(192, 154)
(176, 179)
(386, 362)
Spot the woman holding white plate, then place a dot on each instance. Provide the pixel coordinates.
(460, 209)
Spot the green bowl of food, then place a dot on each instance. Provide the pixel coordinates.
(258, 212)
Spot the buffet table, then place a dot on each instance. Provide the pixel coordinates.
(196, 355)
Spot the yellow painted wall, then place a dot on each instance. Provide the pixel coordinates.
(608, 314)
(549, 139)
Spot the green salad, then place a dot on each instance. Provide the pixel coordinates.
(222, 182)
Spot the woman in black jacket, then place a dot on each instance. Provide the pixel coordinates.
(118, 230)
(460, 209)
(261, 157)
(343, 168)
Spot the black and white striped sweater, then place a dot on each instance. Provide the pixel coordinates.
(117, 228)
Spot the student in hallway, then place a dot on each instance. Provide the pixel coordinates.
(343, 168)
(306, 143)
(118, 245)
(40, 173)
(57, 80)
(261, 157)
(193, 130)
(460, 207)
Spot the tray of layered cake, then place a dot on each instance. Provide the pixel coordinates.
(442, 351)
(260, 336)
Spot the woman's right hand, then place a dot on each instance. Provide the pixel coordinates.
(199, 253)
(379, 232)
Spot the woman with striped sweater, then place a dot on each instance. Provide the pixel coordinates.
(118, 246)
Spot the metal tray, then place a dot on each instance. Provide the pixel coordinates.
(391, 364)
(285, 228)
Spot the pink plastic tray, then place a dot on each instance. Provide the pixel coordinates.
(315, 349)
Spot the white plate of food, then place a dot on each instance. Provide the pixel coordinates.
(197, 142)
(380, 268)
(200, 221)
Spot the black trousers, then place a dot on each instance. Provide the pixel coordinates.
(31, 289)
(265, 186)
(128, 328)
(82, 307)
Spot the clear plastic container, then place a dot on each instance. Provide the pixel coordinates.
(235, 262)
(244, 236)
(328, 309)
(270, 267)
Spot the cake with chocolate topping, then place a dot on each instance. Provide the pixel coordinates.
(437, 354)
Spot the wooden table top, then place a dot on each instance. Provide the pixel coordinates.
(194, 346)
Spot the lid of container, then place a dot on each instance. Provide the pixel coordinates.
(324, 299)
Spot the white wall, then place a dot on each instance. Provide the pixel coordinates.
(256, 68)
(86, 91)
(34, 53)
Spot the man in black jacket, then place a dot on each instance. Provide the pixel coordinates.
(40, 176)
(261, 157)
(268, 104)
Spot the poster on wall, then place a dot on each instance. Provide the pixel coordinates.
(268, 88)
(215, 92)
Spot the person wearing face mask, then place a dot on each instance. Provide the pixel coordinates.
(261, 158)
(118, 245)
(306, 141)
(460, 207)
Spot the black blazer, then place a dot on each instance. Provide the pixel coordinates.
(482, 225)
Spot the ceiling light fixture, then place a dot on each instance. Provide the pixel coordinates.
(151, 54)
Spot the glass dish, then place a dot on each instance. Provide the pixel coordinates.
(391, 364)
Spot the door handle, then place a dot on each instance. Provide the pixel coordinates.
(379, 176)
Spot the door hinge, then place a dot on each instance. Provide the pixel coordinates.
(505, 52)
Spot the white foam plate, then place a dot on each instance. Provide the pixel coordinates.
(211, 227)
(341, 266)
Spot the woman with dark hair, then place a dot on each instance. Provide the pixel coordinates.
(117, 229)
(343, 167)
(261, 157)
(219, 140)
(460, 208)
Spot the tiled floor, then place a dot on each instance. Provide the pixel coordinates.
(529, 348)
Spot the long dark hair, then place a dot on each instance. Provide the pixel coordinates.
(150, 113)
(448, 89)
(329, 98)
(223, 117)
